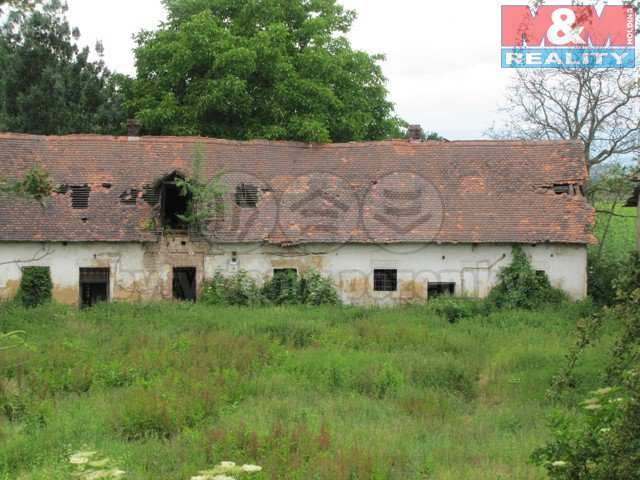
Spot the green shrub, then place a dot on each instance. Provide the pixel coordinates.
(242, 290)
(520, 286)
(602, 273)
(317, 290)
(35, 286)
(600, 444)
(236, 290)
(628, 278)
(284, 288)
(213, 291)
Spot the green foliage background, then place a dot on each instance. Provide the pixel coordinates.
(48, 84)
(259, 69)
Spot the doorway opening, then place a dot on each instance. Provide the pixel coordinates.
(184, 284)
(94, 286)
(439, 289)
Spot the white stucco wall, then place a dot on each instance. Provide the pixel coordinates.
(141, 272)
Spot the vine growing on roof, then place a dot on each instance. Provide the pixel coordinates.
(204, 196)
(36, 185)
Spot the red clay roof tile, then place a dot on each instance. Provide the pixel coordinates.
(364, 192)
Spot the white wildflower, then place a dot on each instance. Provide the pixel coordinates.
(559, 464)
(251, 468)
(604, 391)
(228, 465)
(593, 407)
(222, 477)
(81, 458)
(605, 430)
(99, 474)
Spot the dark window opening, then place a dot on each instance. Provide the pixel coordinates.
(541, 274)
(282, 273)
(439, 289)
(94, 286)
(568, 189)
(283, 285)
(246, 196)
(174, 204)
(80, 196)
(184, 284)
(385, 280)
(129, 197)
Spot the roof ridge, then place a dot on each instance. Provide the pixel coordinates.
(292, 143)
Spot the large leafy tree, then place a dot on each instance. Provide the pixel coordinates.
(275, 69)
(49, 85)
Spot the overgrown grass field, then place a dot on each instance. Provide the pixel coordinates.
(166, 390)
(621, 234)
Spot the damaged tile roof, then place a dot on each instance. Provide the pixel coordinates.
(371, 192)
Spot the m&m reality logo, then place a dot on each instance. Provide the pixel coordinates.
(568, 37)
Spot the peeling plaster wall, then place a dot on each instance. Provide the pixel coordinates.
(144, 271)
(473, 269)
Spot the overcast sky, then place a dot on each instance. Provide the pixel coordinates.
(443, 57)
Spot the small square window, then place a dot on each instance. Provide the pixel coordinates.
(246, 196)
(385, 280)
(438, 289)
(283, 273)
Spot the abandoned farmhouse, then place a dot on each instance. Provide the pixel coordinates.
(387, 221)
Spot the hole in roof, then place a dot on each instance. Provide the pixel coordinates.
(106, 185)
(129, 197)
(174, 204)
(151, 195)
(80, 196)
(246, 195)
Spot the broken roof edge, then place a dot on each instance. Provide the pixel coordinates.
(263, 142)
(591, 240)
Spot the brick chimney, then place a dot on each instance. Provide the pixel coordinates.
(133, 127)
(414, 133)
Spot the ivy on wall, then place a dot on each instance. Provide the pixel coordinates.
(35, 286)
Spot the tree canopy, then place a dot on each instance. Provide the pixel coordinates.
(275, 69)
(48, 84)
